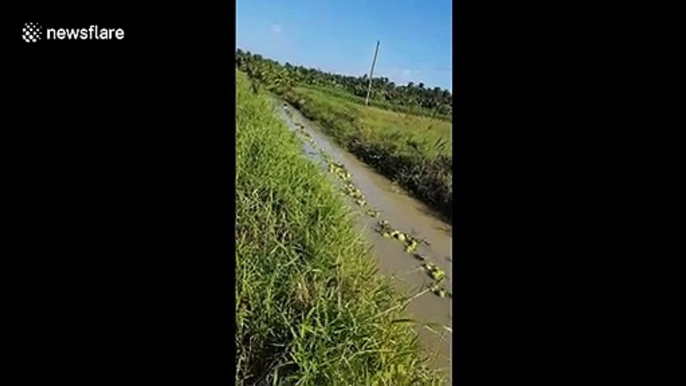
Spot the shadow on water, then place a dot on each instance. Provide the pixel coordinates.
(447, 227)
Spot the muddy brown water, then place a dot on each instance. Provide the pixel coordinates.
(408, 215)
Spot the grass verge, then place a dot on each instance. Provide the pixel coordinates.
(414, 151)
(381, 104)
(310, 309)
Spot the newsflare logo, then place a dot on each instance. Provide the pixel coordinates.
(33, 32)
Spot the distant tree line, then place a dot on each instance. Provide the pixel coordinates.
(411, 98)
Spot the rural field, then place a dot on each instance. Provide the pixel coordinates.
(414, 150)
(310, 306)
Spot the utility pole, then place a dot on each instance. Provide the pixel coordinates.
(371, 74)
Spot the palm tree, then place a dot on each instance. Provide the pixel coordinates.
(411, 97)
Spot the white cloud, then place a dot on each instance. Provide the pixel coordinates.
(406, 74)
(276, 28)
(399, 75)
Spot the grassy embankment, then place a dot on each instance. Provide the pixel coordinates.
(414, 151)
(310, 309)
(384, 105)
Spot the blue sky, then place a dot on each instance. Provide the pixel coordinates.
(339, 36)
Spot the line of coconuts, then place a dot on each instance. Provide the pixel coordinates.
(383, 226)
(337, 169)
(411, 243)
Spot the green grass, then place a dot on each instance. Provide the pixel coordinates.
(341, 94)
(310, 309)
(412, 150)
